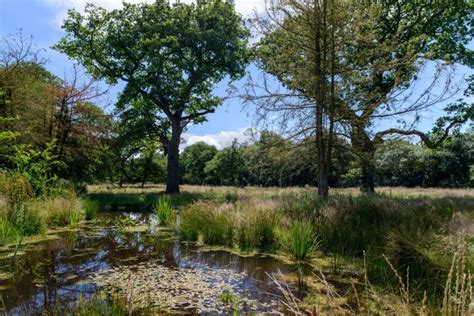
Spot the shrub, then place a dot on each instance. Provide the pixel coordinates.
(61, 188)
(26, 219)
(164, 211)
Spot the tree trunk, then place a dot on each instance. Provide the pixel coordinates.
(364, 148)
(172, 182)
(368, 170)
(323, 183)
(320, 89)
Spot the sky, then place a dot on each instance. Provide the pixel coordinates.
(42, 20)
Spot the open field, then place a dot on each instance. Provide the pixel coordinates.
(397, 191)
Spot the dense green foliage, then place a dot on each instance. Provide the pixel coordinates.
(169, 55)
(193, 162)
(272, 161)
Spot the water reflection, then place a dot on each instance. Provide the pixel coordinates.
(53, 273)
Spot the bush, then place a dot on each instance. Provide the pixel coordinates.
(26, 219)
(15, 188)
(61, 188)
(164, 212)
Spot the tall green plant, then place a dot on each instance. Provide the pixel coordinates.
(300, 240)
(164, 211)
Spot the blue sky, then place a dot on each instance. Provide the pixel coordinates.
(42, 20)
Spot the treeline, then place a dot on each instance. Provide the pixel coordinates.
(272, 161)
(339, 80)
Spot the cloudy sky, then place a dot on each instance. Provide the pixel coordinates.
(42, 19)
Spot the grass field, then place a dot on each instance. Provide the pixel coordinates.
(396, 191)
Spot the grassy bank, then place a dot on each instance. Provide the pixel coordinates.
(22, 213)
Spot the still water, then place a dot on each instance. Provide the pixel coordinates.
(54, 273)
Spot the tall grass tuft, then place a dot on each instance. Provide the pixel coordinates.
(203, 222)
(74, 218)
(58, 212)
(8, 232)
(164, 211)
(458, 291)
(90, 209)
(300, 241)
(256, 229)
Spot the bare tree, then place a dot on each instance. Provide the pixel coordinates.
(70, 93)
(299, 47)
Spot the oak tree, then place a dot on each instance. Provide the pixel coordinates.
(171, 55)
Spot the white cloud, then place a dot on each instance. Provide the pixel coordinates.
(245, 7)
(220, 140)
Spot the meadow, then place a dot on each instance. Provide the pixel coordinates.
(400, 251)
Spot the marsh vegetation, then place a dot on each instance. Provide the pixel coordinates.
(384, 253)
(346, 196)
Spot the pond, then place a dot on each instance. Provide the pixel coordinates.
(126, 254)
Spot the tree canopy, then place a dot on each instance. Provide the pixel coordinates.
(169, 55)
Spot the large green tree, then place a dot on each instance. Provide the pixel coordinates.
(390, 44)
(169, 55)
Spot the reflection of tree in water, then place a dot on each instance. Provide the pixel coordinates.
(47, 277)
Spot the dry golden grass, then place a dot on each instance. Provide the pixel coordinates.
(394, 191)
